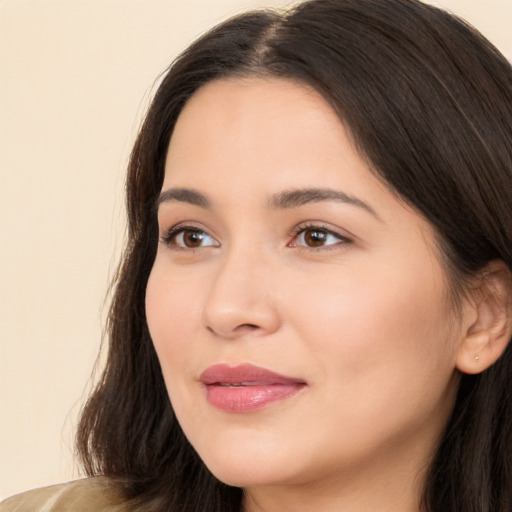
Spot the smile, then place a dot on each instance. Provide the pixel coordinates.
(246, 388)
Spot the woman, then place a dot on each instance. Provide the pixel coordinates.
(314, 308)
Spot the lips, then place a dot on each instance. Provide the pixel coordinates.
(246, 388)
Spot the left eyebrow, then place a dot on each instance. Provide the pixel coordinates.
(300, 197)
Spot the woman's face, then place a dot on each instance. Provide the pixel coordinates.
(298, 308)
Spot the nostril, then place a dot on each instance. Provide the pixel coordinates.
(239, 330)
(247, 327)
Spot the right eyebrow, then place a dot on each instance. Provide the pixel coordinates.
(183, 195)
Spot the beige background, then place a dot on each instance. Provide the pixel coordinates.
(75, 77)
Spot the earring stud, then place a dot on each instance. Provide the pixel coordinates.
(477, 358)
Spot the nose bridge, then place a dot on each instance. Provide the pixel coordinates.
(240, 298)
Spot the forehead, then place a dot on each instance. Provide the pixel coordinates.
(255, 106)
(282, 95)
(274, 126)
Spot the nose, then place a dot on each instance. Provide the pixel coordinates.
(242, 300)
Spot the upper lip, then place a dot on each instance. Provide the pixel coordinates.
(244, 374)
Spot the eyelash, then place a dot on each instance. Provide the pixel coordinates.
(170, 236)
(303, 228)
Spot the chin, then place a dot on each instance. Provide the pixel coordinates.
(251, 476)
(243, 469)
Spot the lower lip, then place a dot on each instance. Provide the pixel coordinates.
(249, 398)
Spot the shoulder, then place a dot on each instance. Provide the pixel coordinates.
(95, 494)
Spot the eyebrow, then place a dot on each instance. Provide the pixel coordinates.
(183, 195)
(300, 197)
(282, 200)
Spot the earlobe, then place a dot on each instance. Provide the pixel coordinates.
(486, 338)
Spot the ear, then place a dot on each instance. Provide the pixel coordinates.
(490, 327)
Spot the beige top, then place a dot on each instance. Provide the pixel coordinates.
(95, 494)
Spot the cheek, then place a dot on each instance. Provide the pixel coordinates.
(173, 311)
(378, 332)
(382, 354)
(173, 315)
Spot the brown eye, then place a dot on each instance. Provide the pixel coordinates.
(189, 238)
(315, 237)
(192, 238)
(318, 237)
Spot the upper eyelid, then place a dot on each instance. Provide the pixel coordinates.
(187, 226)
(190, 224)
(341, 240)
(321, 226)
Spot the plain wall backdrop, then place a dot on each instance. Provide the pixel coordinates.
(75, 78)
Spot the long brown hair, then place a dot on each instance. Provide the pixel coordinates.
(428, 102)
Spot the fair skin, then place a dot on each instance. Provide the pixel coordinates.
(344, 293)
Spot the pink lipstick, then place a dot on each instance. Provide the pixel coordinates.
(246, 388)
